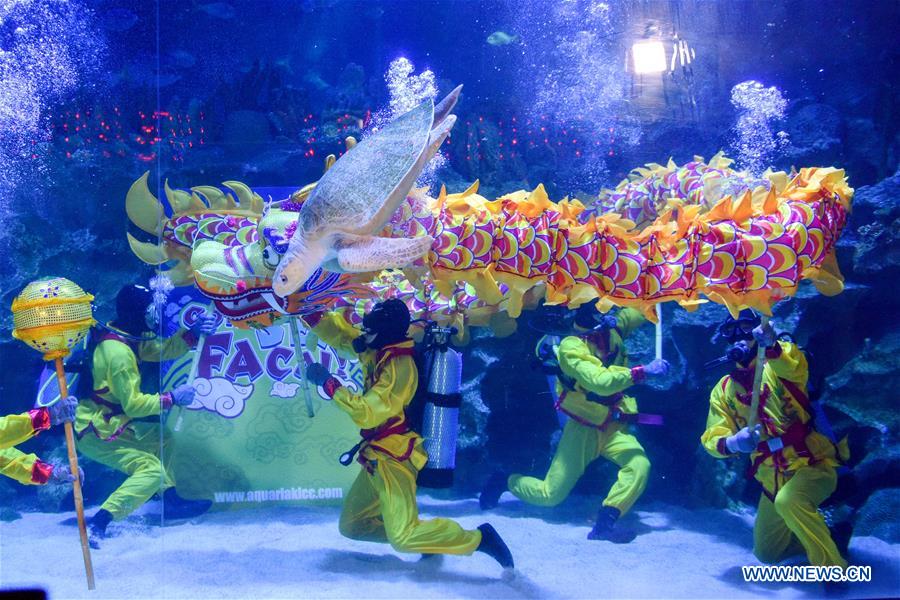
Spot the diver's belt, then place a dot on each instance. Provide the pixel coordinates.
(793, 437)
(116, 337)
(615, 415)
(570, 386)
(393, 426)
(114, 410)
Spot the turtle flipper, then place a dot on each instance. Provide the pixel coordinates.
(361, 254)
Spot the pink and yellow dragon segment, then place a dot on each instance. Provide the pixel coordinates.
(743, 252)
(647, 191)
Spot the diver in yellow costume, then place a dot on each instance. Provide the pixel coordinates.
(592, 374)
(381, 505)
(794, 463)
(118, 426)
(28, 469)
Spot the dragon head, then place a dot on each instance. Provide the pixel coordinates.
(229, 243)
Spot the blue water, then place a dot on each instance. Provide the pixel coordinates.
(93, 93)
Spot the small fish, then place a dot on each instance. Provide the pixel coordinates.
(118, 19)
(501, 38)
(219, 10)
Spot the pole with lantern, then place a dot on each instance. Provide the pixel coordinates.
(52, 316)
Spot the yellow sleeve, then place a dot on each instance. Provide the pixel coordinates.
(387, 398)
(159, 349)
(576, 361)
(125, 386)
(336, 332)
(791, 364)
(15, 429)
(628, 320)
(719, 423)
(17, 465)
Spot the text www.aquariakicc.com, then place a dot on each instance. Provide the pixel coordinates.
(807, 574)
(296, 493)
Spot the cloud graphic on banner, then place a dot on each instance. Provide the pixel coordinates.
(220, 396)
(281, 389)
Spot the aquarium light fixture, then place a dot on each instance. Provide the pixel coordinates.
(649, 57)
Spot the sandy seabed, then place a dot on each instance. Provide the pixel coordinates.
(278, 552)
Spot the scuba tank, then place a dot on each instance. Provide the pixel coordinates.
(442, 399)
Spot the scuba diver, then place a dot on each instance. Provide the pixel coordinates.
(118, 426)
(28, 469)
(381, 505)
(795, 464)
(591, 368)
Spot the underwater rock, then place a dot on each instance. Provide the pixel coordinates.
(874, 231)
(879, 516)
(7, 514)
(472, 418)
(863, 150)
(7, 491)
(878, 470)
(865, 388)
(815, 135)
(718, 483)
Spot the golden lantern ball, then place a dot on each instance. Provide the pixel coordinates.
(52, 316)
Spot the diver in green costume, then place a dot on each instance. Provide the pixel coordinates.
(118, 426)
(593, 373)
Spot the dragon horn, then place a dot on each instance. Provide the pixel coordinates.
(142, 207)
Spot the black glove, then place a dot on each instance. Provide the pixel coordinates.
(317, 373)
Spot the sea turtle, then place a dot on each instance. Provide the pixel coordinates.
(338, 225)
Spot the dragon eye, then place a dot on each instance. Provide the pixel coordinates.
(271, 258)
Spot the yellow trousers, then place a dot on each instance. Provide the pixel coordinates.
(792, 524)
(135, 453)
(579, 446)
(381, 507)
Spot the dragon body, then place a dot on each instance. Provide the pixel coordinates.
(491, 258)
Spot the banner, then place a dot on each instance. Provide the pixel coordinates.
(248, 437)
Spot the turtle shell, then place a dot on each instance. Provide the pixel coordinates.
(354, 195)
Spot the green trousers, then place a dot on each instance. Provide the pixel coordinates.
(381, 507)
(136, 453)
(579, 446)
(792, 524)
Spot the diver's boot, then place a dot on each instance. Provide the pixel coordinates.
(494, 546)
(608, 528)
(431, 561)
(97, 528)
(492, 490)
(176, 507)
